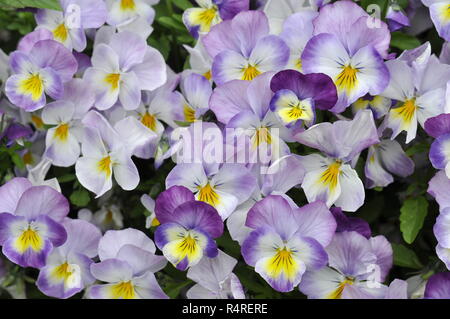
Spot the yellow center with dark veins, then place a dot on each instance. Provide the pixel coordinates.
(262, 135)
(62, 132)
(189, 114)
(282, 262)
(33, 85)
(62, 271)
(206, 17)
(330, 176)
(337, 294)
(29, 239)
(347, 80)
(104, 166)
(406, 111)
(61, 33)
(113, 80)
(123, 290)
(127, 5)
(208, 195)
(149, 121)
(250, 72)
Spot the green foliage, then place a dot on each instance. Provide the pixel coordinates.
(405, 257)
(412, 216)
(43, 4)
(80, 197)
(404, 41)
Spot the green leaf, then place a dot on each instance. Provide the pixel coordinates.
(412, 216)
(80, 198)
(182, 4)
(42, 4)
(417, 148)
(171, 23)
(404, 41)
(173, 289)
(183, 124)
(66, 178)
(405, 257)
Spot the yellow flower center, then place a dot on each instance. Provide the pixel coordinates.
(104, 166)
(189, 114)
(29, 239)
(346, 80)
(33, 85)
(206, 17)
(262, 135)
(113, 80)
(63, 271)
(330, 176)
(406, 111)
(28, 158)
(298, 64)
(337, 294)
(37, 121)
(61, 33)
(208, 75)
(250, 72)
(208, 195)
(127, 5)
(282, 262)
(62, 132)
(149, 121)
(123, 290)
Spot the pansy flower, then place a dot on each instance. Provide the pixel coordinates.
(356, 268)
(157, 107)
(418, 83)
(256, 133)
(379, 105)
(331, 178)
(200, 20)
(285, 242)
(67, 268)
(122, 12)
(199, 60)
(396, 18)
(279, 177)
(298, 95)
(348, 50)
(188, 227)
(242, 48)
(385, 159)
(127, 266)
(439, 128)
(193, 103)
(38, 70)
(279, 11)
(106, 218)
(438, 286)
(68, 25)
(63, 140)
(440, 15)
(215, 279)
(123, 68)
(107, 150)
(297, 30)
(224, 189)
(30, 222)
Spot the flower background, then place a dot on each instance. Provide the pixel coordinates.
(392, 211)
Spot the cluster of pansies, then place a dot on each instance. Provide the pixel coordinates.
(286, 118)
